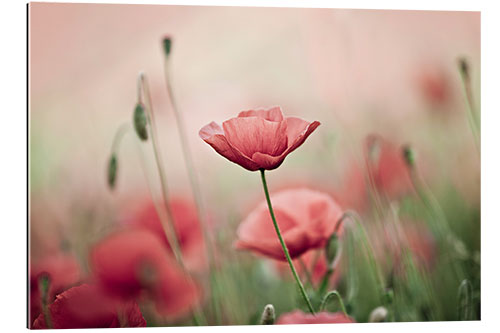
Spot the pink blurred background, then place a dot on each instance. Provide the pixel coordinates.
(356, 71)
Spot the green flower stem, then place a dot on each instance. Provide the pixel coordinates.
(172, 235)
(472, 116)
(283, 245)
(44, 286)
(195, 187)
(324, 282)
(188, 158)
(328, 296)
(307, 274)
(117, 139)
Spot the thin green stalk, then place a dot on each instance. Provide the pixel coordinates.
(188, 158)
(356, 219)
(195, 186)
(44, 286)
(324, 282)
(306, 271)
(331, 265)
(467, 91)
(117, 139)
(283, 245)
(172, 235)
(328, 296)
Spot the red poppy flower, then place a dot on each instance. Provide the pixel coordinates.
(352, 192)
(306, 218)
(299, 317)
(62, 270)
(258, 139)
(187, 226)
(433, 84)
(135, 262)
(387, 167)
(86, 307)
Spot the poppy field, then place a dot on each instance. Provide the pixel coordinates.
(207, 166)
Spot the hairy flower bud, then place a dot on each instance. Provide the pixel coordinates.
(463, 65)
(268, 315)
(140, 122)
(409, 155)
(378, 315)
(112, 169)
(167, 45)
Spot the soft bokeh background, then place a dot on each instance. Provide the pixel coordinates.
(356, 71)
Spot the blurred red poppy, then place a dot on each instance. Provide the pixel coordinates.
(299, 317)
(434, 85)
(187, 226)
(134, 263)
(306, 218)
(86, 307)
(258, 139)
(352, 192)
(62, 270)
(387, 167)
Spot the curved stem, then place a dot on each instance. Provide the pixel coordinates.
(283, 245)
(471, 114)
(172, 235)
(328, 296)
(117, 139)
(303, 266)
(188, 158)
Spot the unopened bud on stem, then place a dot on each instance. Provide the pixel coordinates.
(112, 169)
(378, 315)
(268, 315)
(409, 156)
(140, 122)
(463, 65)
(167, 45)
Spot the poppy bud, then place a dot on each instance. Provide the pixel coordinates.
(268, 315)
(167, 45)
(463, 65)
(112, 169)
(465, 300)
(378, 315)
(140, 122)
(389, 296)
(409, 156)
(332, 249)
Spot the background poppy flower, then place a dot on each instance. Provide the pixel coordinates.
(388, 168)
(187, 226)
(306, 218)
(86, 307)
(258, 139)
(134, 262)
(63, 271)
(299, 317)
